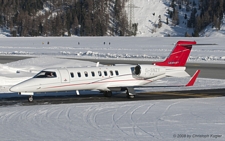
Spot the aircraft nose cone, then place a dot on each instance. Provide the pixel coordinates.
(14, 89)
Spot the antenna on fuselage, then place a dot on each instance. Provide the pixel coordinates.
(77, 92)
(97, 64)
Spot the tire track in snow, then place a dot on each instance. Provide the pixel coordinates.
(221, 107)
(132, 120)
(20, 119)
(135, 122)
(6, 120)
(100, 111)
(195, 115)
(114, 121)
(48, 120)
(39, 120)
(87, 118)
(163, 115)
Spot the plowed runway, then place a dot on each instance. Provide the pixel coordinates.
(43, 100)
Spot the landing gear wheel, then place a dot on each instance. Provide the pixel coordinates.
(131, 96)
(107, 93)
(30, 99)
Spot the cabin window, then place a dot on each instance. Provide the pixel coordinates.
(105, 73)
(46, 74)
(86, 74)
(99, 73)
(117, 73)
(78, 74)
(111, 73)
(93, 74)
(72, 75)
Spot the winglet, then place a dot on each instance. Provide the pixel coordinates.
(193, 79)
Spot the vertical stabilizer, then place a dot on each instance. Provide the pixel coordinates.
(178, 57)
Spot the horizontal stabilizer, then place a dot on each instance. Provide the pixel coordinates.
(193, 78)
(196, 44)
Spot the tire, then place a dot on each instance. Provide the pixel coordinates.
(131, 96)
(107, 93)
(30, 99)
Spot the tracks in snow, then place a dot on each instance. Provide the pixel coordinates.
(141, 120)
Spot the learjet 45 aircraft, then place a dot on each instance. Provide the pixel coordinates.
(109, 78)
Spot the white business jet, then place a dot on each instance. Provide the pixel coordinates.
(109, 78)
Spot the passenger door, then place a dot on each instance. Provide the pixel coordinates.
(65, 78)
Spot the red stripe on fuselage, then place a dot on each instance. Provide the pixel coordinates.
(92, 83)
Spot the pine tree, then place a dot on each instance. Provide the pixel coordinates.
(175, 19)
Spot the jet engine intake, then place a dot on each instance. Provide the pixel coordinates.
(147, 71)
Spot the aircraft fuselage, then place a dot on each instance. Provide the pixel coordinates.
(90, 78)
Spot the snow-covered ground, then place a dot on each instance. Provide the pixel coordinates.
(194, 119)
(111, 47)
(170, 120)
(147, 13)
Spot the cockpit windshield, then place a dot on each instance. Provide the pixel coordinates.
(46, 74)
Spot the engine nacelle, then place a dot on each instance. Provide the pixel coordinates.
(147, 71)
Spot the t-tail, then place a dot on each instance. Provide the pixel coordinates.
(178, 57)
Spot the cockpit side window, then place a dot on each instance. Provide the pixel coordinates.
(46, 74)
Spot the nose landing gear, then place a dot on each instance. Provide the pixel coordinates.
(30, 98)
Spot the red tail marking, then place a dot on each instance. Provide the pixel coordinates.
(178, 57)
(193, 79)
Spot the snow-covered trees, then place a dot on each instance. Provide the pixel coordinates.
(199, 13)
(64, 17)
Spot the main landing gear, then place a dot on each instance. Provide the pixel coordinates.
(130, 93)
(131, 96)
(107, 93)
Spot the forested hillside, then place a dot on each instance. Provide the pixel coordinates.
(203, 13)
(64, 17)
(109, 17)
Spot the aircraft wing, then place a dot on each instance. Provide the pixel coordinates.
(190, 83)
